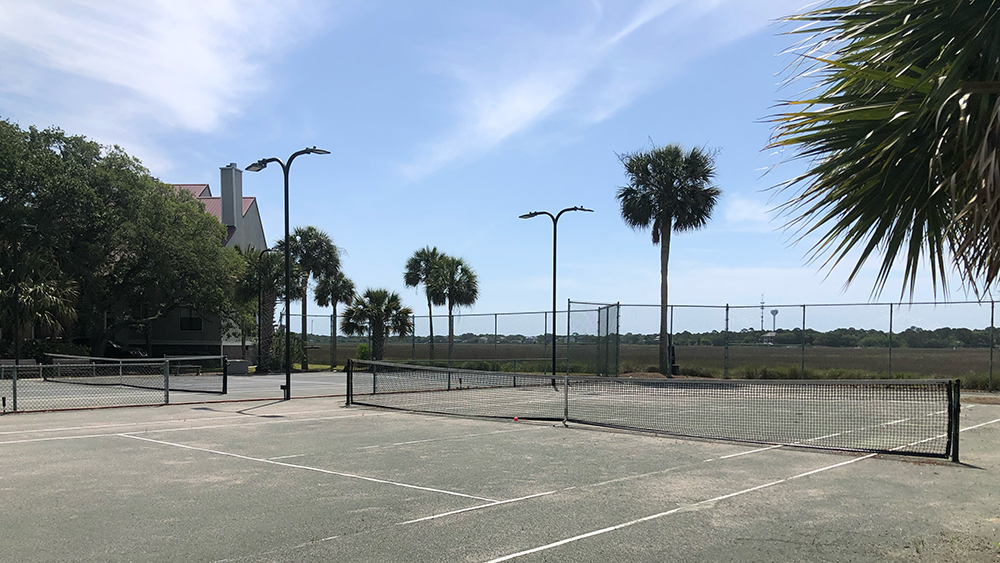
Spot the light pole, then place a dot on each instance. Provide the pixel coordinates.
(555, 222)
(257, 167)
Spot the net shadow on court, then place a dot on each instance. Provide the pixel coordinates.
(314, 480)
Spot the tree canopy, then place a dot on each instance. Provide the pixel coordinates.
(132, 248)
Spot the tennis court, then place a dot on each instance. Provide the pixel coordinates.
(313, 480)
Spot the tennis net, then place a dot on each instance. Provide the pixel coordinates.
(913, 417)
(196, 374)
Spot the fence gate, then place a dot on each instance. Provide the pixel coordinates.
(608, 341)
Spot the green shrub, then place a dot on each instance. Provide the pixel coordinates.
(364, 351)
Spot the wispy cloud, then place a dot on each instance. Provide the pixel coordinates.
(518, 78)
(746, 214)
(178, 64)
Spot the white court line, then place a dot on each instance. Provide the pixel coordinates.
(700, 503)
(57, 438)
(183, 428)
(478, 507)
(127, 424)
(286, 456)
(462, 437)
(978, 425)
(307, 468)
(668, 512)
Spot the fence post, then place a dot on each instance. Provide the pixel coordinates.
(545, 341)
(567, 337)
(14, 388)
(333, 341)
(890, 340)
(618, 337)
(566, 400)
(166, 382)
(413, 338)
(992, 343)
(496, 337)
(672, 354)
(725, 343)
(802, 372)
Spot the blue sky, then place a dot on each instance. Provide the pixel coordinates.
(446, 121)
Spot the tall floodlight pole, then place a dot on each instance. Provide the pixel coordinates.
(555, 222)
(257, 167)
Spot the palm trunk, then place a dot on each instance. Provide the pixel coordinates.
(665, 359)
(378, 341)
(430, 321)
(305, 335)
(266, 339)
(451, 333)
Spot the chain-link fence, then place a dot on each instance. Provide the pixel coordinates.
(951, 340)
(760, 341)
(75, 383)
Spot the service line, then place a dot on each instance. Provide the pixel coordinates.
(307, 468)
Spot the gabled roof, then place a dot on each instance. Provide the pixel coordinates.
(213, 205)
(197, 190)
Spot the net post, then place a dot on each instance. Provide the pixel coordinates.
(166, 381)
(954, 409)
(225, 374)
(350, 381)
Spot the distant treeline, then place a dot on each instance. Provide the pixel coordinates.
(913, 337)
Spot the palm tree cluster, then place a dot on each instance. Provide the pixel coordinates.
(447, 280)
(317, 258)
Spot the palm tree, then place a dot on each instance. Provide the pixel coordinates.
(668, 191)
(48, 298)
(263, 282)
(331, 290)
(380, 313)
(903, 133)
(456, 283)
(316, 256)
(418, 271)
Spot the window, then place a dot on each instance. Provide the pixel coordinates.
(190, 321)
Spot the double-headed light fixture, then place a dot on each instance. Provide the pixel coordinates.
(555, 221)
(257, 167)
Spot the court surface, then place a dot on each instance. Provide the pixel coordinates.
(311, 480)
